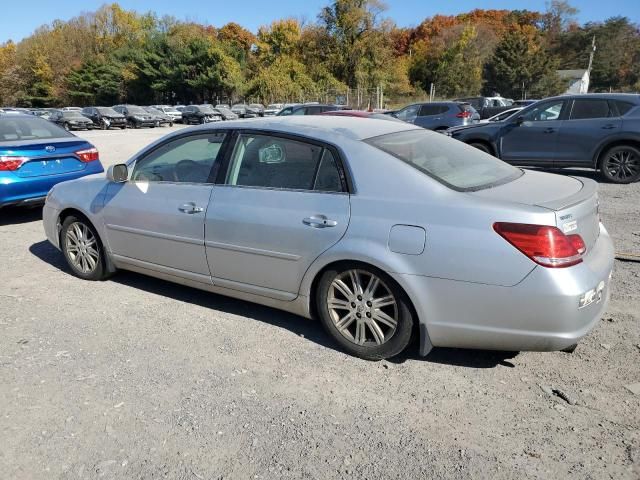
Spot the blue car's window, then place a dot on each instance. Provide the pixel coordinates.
(24, 128)
(449, 161)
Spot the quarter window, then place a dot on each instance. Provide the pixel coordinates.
(184, 160)
(590, 108)
(274, 162)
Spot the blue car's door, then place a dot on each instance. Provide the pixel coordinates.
(590, 121)
(531, 138)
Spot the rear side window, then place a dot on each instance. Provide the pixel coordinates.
(274, 162)
(590, 108)
(428, 110)
(623, 107)
(453, 163)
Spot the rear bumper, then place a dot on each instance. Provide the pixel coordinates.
(541, 313)
(15, 190)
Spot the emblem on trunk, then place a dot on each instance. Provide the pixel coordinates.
(50, 148)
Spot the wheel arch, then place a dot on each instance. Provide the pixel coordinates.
(484, 142)
(615, 142)
(311, 280)
(72, 211)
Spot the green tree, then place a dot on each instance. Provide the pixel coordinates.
(455, 70)
(520, 67)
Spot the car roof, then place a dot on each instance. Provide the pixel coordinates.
(633, 97)
(325, 128)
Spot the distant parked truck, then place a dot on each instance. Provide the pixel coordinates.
(488, 106)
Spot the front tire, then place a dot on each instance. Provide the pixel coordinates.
(82, 249)
(483, 147)
(621, 164)
(365, 311)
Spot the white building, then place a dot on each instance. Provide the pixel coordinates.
(577, 80)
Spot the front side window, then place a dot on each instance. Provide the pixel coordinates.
(451, 162)
(590, 108)
(408, 113)
(274, 162)
(544, 112)
(185, 160)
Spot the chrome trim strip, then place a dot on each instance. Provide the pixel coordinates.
(252, 251)
(148, 233)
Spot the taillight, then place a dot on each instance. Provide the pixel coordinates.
(9, 164)
(88, 155)
(545, 245)
(464, 114)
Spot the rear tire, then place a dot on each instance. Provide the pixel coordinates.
(82, 249)
(621, 164)
(364, 310)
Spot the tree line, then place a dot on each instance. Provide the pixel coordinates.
(115, 55)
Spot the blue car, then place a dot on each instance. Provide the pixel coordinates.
(35, 155)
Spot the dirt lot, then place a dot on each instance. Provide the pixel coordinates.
(139, 378)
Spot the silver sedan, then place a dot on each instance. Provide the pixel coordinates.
(382, 230)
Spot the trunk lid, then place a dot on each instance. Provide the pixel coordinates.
(574, 200)
(54, 157)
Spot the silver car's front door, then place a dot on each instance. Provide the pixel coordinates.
(156, 219)
(283, 204)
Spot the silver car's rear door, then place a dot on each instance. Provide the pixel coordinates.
(284, 203)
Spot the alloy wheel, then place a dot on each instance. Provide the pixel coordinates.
(622, 165)
(81, 246)
(362, 307)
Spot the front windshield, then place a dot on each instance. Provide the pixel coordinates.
(451, 162)
(72, 114)
(107, 111)
(136, 110)
(154, 111)
(207, 109)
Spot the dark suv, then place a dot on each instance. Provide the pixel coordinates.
(200, 114)
(136, 116)
(600, 131)
(105, 117)
(438, 116)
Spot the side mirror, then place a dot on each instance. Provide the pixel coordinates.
(520, 120)
(118, 173)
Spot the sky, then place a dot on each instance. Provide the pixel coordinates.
(19, 20)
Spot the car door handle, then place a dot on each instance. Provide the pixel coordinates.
(609, 126)
(319, 221)
(549, 130)
(190, 208)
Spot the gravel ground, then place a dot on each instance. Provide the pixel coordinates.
(139, 378)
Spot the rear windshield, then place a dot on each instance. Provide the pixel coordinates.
(451, 162)
(21, 128)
